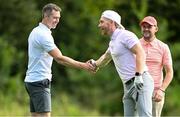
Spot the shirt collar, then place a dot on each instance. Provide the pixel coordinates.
(115, 33)
(43, 26)
(152, 43)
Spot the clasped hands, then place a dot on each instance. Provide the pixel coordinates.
(92, 66)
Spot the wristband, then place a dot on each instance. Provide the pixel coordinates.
(138, 74)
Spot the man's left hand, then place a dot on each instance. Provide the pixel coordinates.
(138, 82)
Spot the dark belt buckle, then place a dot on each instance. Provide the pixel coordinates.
(130, 81)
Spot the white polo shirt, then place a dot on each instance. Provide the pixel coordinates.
(40, 42)
(119, 47)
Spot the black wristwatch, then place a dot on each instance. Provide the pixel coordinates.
(138, 74)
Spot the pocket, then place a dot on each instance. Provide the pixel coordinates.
(46, 83)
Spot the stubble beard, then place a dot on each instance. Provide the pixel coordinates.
(104, 31)
(54, 26)
(147, 35)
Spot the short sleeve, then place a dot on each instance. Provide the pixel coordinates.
(47, 42)
(167, 59)
(130, 39)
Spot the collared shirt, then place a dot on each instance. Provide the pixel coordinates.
(157, 55)
(40, 42)
(119, 47)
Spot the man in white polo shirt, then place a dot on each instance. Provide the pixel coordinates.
(129, 58)
(41, 51)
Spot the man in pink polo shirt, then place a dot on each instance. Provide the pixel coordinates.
(158, 56)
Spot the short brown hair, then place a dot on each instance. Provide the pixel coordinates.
(47, 9)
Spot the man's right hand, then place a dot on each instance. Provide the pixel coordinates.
(93, 63)
(158, 95)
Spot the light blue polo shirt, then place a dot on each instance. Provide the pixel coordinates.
(40, 42)
(119, 47)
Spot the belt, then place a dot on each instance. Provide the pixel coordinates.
(130, 81)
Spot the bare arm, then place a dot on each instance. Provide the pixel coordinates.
(67, 61)
(104, 59)
(140, 57)
(167, 80)
(168, 77)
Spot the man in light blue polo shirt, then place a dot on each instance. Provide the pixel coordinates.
(129, 58)
(41, 52)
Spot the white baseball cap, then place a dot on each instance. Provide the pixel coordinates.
(114, 16)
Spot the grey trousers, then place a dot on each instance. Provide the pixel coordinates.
(139, 102)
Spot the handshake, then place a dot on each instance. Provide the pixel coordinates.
(93, 64)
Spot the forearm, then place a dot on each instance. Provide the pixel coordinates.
(167, 80)
(103, 60)
(140, 57)
(140, 62)
(66, 61)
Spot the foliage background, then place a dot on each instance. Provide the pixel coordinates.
(76, 92)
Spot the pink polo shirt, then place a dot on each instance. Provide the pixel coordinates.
(157, 55)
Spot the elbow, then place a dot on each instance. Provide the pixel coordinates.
(59, 60)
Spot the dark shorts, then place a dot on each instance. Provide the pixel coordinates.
(40, 95)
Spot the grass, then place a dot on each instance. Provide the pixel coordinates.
(61, 106)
